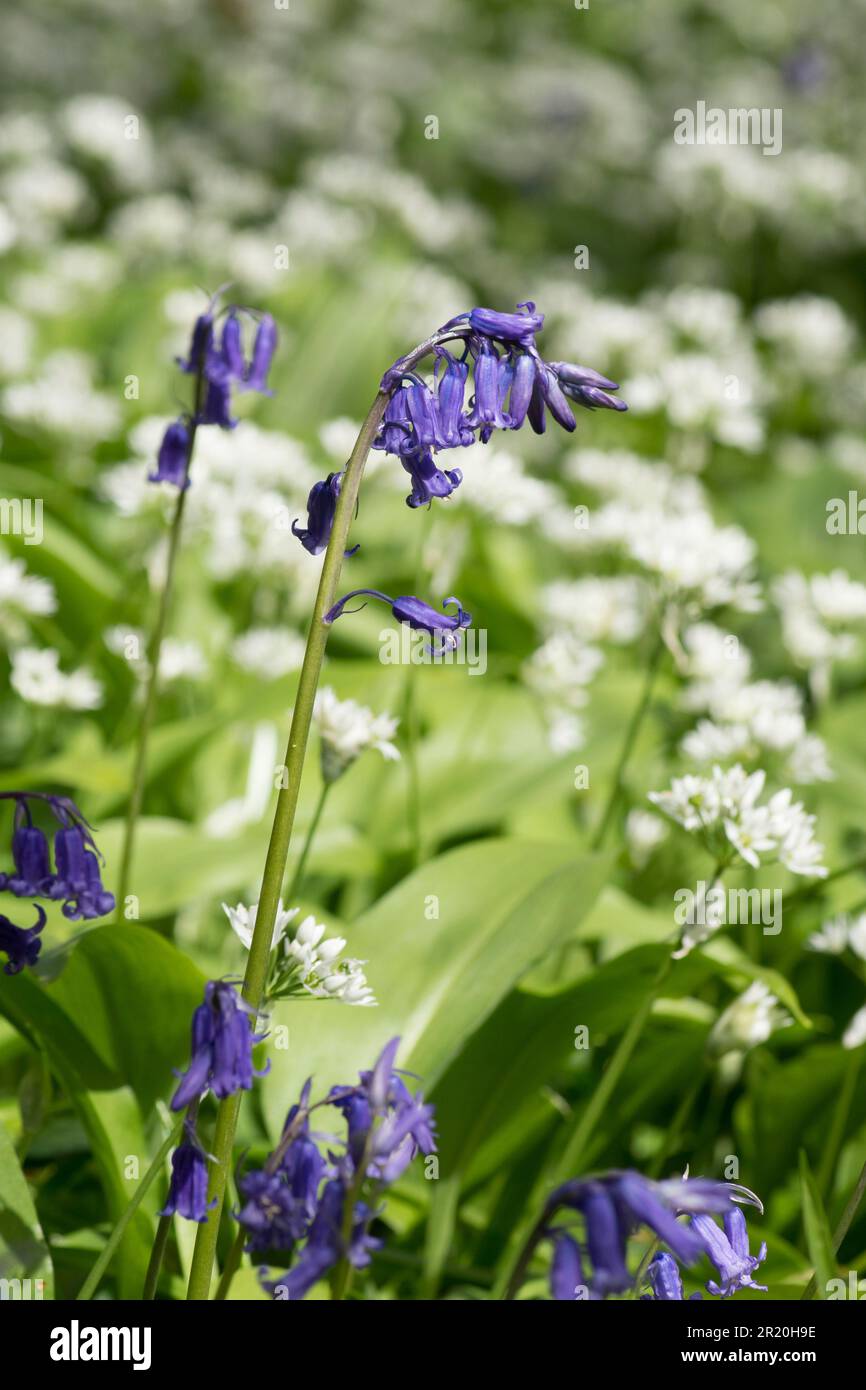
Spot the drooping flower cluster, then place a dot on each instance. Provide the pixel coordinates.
(305, 963)
(510, 383)
(615, 1204)
(329, 1202)
(221, 1061)
(75, 880)
(347, 729)
(723, 811)
(219, 366)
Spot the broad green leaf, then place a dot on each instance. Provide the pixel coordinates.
(23, 1251)
(443, 948)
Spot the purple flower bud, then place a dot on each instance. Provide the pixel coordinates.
(172, 459)
(665, 1279)
(593, 398)
(78, 879)
(187, 1193)
(571, 374)
(264, 348)
(396, 433)
(509, 328)
(428, 481)
(555, 400)
(21, 944)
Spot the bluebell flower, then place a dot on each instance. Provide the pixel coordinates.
(491, 390)
(280, 1200)
(32, 876)
(665, 1280)
(453, 430)
(728, 1249)
(201, 344)
(428, 481)
(217, 409)
(171, 461)
(21, 945)
(187, 1193)
(264, 347)
(587, 387)
(614, 1204)
(419, 615)
(222, 1047)
(566, 1268)
(321, 509)
(78, 879)
(230, 364)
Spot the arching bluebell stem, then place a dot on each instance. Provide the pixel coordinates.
(419, 615)
(21, 945)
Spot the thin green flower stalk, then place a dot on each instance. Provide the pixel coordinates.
(281, 833)
(148, 714)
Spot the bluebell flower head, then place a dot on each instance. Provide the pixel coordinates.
(728, 1249)
(187, 1193)
(173, 456)
(325, 1245)
(21, 945)
(443, 627)
(222, 1047)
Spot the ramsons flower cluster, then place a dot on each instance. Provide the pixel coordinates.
(615, 1204)
(219, 366)
(75, 880)
(328, 1202)
(724, 811)
(305, 963)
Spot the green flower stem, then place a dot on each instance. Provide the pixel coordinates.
(154, 1264)
(281, 833)
(91, 1283)
(298, 876)
(845, 1222)
(575, 1149)
(148, 715)
(631, 734)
